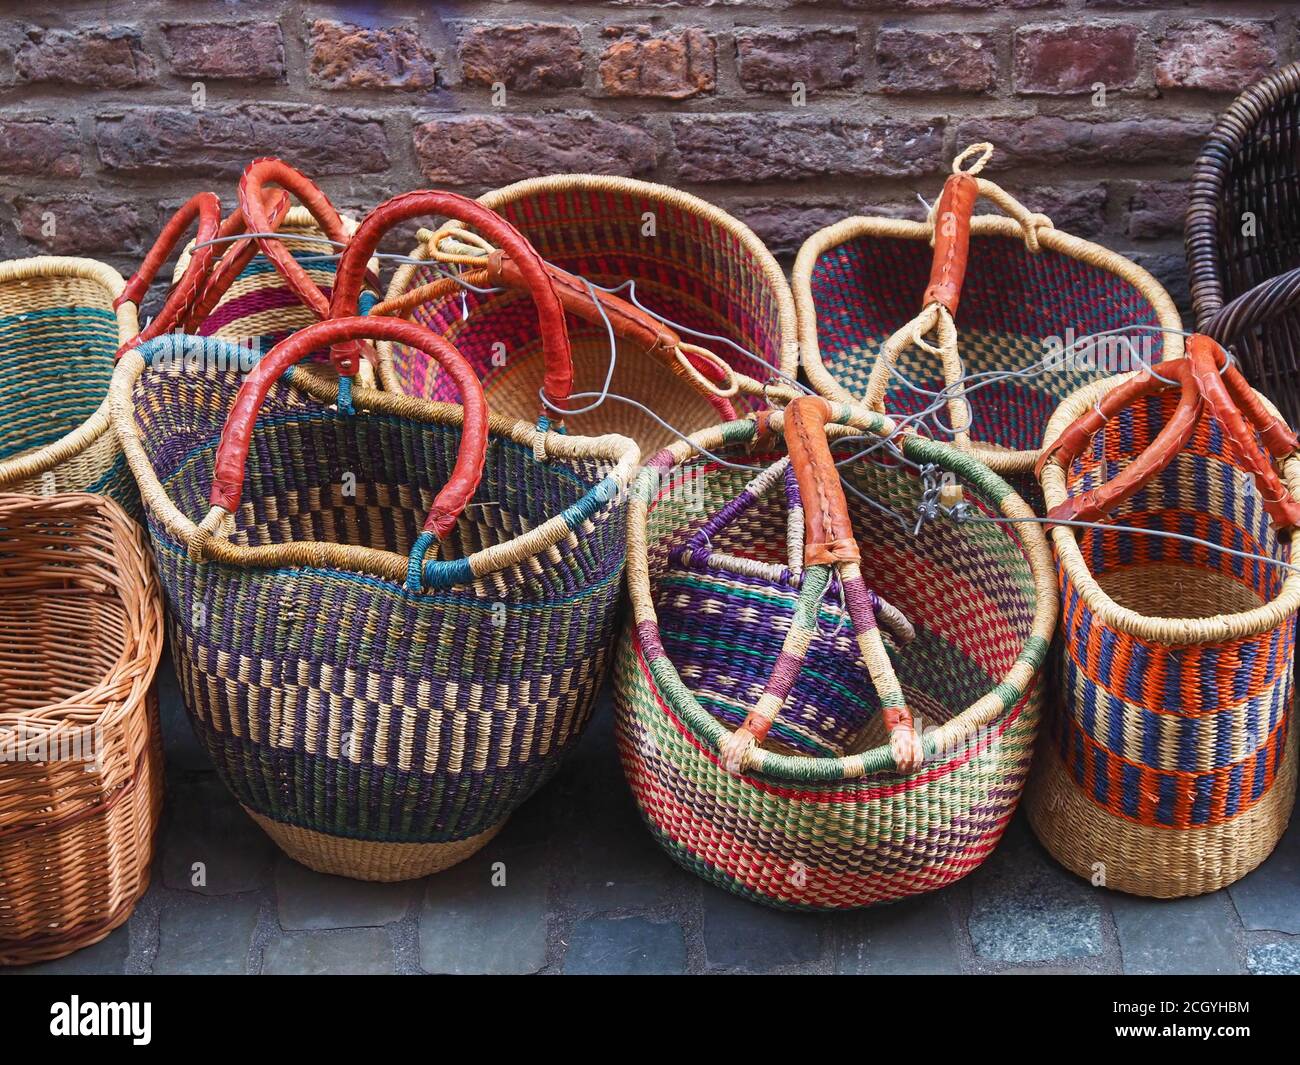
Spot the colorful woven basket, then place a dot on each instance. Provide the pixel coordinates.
(1170, 768)
(60, 324)
(691, 263)
(80, 749)
(1001, 294)
(379, 712)
(761, 754)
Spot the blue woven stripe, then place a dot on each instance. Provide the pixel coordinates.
(446, 573)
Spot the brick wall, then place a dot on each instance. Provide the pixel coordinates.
(111, 115)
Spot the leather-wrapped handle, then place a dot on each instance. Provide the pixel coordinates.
(232, 453)
(828, 532)
(204, 207)
(951, 241)
(557, 382)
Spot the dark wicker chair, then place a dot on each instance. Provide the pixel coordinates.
(1246, 284)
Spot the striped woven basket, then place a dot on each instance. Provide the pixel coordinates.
(59, 330)
(1170, 768)
(379, 711)
(1002, 293)
(81, 774)
(691, 262)
(761, 754)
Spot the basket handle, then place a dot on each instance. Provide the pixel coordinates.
(829, 545)
(558, 379)
(252, 182)
(1254, 308)
(206, 209)
(232, 453)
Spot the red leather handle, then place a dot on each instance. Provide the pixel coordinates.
(258, 174)
(232, 453)
(951, 241)
(558, 380)
(1205, 357)
(238, 254)
(203, 206)
(828, 535)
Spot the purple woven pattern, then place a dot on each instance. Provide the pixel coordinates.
(340, 702)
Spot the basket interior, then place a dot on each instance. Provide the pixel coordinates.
(1203, 493)
(58, 336)
(967, 589)
(368, 480)
(1017, 308)
(692, 271)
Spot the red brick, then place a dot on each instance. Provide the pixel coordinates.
(482, 150)
(83, 226)
(219, 142)
(778, 147)
(1052, 140)
(1156, 209)
(1217, 55)
(1077, 210)
(773, 59)
(41, 146)
(672, 65)
(343, 56)
(112, 58)
(1072, 57)
(525, 56)
(909, 61)
(234, 51)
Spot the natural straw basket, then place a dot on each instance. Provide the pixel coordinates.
(733, 627)
(378, 711)
(1243, 235)
(58, 334)
(80, 749)
(691, 261)
(1026, 292)
(1170, 768)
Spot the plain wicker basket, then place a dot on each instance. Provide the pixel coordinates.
(80, 749)
(59, 331)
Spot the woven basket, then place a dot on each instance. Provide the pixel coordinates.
(58, 334)
(1243, 236)
(803, 785)
(700, 268)
(1170, 768)
(80, 749)
(1014, 292)
(379, 714)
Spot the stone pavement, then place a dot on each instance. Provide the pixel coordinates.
(587, 891)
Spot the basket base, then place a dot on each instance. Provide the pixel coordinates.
(361, 859)
(1161, 863)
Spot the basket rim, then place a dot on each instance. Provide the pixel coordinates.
(858, 226)
(29, 464)
(620, 452)
(298, 221)
(1217, 629)
(848, 419)
(773, 275)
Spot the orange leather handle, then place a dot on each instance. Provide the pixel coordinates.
(828, 532)
(557, 382)
(951, 241)
(232, 453)
(238, 254)
(206, 208)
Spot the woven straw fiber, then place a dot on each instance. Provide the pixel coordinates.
(376, 732)
(860, 280)
(1169, 767)
(58, 335)
(702, 269)
(823, 820)
(80, 749)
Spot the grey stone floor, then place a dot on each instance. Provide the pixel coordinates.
(587, 891)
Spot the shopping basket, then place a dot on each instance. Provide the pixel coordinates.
(80, 751)
(761, 753)
(1169, 768)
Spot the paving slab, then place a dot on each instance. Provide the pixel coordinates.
(1188, 936)
(1275, 959)
(307, 900)
(1268, 899)
(352, 952)
(749, 937)
(206, 935)
(909, 938)
(210, 846)
(627, 946)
